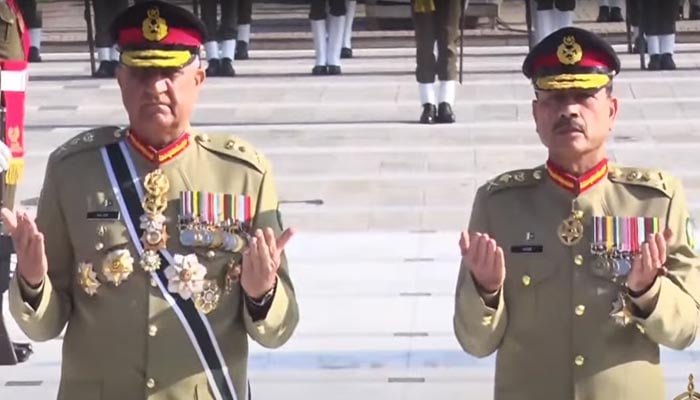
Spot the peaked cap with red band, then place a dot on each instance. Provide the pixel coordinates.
(571, 58)
(156, 34)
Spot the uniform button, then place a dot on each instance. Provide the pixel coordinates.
(579, 360)
(150, 383)
(580, 309)
(152, 330)
(229, 144)
(99, 246)
(211, 254)
(487, 320)
(578, 260)
(527, 280)
(153, 283)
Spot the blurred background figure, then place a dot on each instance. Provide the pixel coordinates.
(610, 11)
(553, 15)
(220, 45)
(328, 29)
(33, 21)
(350, 7)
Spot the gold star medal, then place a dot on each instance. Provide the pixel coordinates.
(87, 278)
(570, 230)
(118, 265)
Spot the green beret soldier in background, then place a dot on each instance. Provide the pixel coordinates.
(159, 247)
(576, 271)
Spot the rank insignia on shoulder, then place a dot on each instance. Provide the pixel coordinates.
(215, 220)
(512, 179)
(641, 177)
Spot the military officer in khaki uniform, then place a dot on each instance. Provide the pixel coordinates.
(576, 271)
(436, 22)
(160, 248)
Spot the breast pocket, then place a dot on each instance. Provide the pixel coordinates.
(529, 278)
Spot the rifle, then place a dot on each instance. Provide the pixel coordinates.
(90, 35)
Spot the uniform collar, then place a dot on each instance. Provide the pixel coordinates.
(159, 156)
(577, 184)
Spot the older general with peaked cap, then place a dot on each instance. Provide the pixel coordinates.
(576, 271)
(160, 248)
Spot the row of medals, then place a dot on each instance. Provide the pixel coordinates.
(119, 264)
(611, 263)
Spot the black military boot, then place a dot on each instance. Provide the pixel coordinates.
(104, 70)
(241, 50)
(429, 114)
(445, 114)
(226, 67)
(213, 67)
(654, 62)
(34, 55)
(333, 70)
(345, 52)
(603, 14)
(319, 70)
(616, 15)
(22, 351)
(694, 13)
(666, 62)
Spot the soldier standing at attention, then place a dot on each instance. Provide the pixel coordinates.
(13, 75)
(245, 17)
(553, 15)
(327, 42)
(220, 44)
(350, 7)
(107, 54)
(610, 11)
(436, 21)
(167, 253)
(576, 271)
(33, 20)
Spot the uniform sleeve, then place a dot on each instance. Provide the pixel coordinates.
(42, 313)
(279, 322)
(675, 318)
(478, 327)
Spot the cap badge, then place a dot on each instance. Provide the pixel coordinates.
(569, 52)
(154, 27)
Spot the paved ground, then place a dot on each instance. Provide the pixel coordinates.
(378, 200)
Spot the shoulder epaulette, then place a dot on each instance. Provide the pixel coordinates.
(92, 139)
(235, 147)
(651, 178)
(515, 179)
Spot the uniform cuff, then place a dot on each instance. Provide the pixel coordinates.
(31, 295)
(647, 301)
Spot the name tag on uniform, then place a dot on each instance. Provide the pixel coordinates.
(103, 215)
(529, 248)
